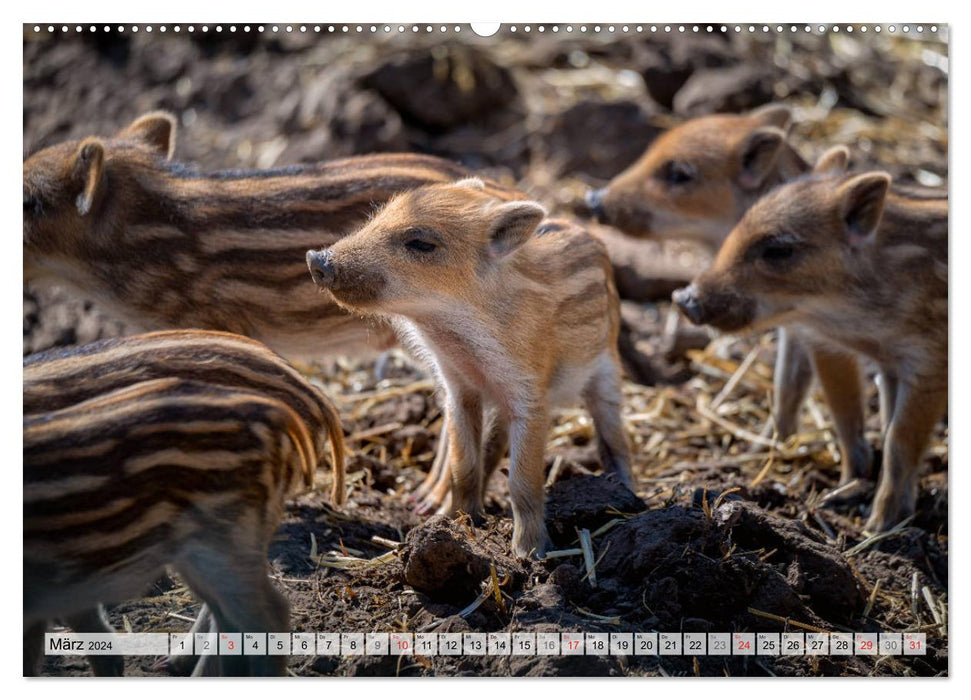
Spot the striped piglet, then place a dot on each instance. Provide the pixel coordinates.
(189, 471)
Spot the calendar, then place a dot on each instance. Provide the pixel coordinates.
(490, 644)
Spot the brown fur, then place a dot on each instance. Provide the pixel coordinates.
(57, 379)
(697, 179)
(161, 473)
(732, 160)
(513, 321)
(862, 271)
(163, 246)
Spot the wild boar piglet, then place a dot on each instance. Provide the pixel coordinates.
(696, 181)
(861, 270)
(162, 473)
(513, 316)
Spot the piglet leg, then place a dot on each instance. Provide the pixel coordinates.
(438, 465)
(839, 375)
(792, 379)
(915, 414)
(465, 452)
(603, 398)
(887, 383)
(527, 438)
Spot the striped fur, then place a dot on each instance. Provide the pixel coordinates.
(512, 321)
(861, 270)
(57, 379)
(164, 246)
(166, 472)
(696, 181)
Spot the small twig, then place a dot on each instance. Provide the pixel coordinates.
(184, 618)
(373, 432)
(740, 433)
(724, 494)
(786, 621)
(879, 537)
(587, 548)
(555, 470)
(764, 471)
(873, 598)
(615, 620)
(563, 553)
(474, 605)
(606, 527)
(737, 377)
(495, 588)
(390, 544)
(931, 604)
(825, 528)
(839, 491)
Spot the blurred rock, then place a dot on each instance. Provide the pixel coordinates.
(332, 118)
(734, 89)
(598, 139)
(444, 86)
(668, 67)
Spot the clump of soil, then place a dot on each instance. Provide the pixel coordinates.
(442, 561)
(587, 502)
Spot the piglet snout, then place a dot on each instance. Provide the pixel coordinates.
(595, 201)
(687, 300)
(322, 268)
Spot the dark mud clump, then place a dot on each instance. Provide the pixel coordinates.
(587, 502)
(442, 561)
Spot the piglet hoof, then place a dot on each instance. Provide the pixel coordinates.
(621, 473)
(423, 508)
(534, 547)
(536, 553)
(432, 505)
(882, 520)
(478, 518)
(445, 507)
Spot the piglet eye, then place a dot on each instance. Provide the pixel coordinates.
(778, 253)
(420, 246)
(676, 172)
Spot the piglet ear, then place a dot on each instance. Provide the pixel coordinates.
(512, 225)
(471, 183)
(832, 161)
(760, 150)
(156, 130)
(774, 114)
(861, 203)
(88, 173)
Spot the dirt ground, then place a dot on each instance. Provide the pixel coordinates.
(728, 529)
